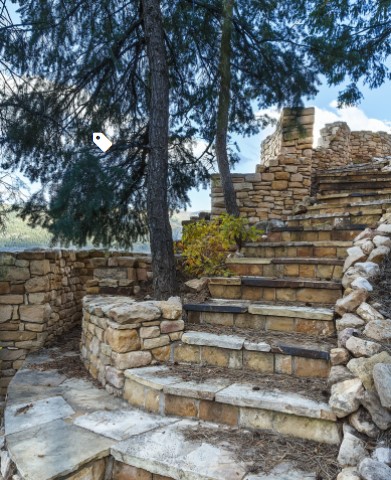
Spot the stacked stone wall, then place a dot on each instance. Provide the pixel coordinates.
(120, 334)
(41, 295)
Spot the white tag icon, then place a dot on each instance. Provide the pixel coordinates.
(101, 141)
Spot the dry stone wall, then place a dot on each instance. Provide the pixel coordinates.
(119, 334)
(289, 164)
(41, 294)
(360, 376)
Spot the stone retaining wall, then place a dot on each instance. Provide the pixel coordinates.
(120, 333)
(361, 365)
(41, 293)
(289, 164)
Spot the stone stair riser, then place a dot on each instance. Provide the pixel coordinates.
(369, 219)
(247, 360)
(157, 401)
(344, 199)
(266, 323)
(304, 295)
(346, 187)
(266, 251)
(312, 235)
(319, 272)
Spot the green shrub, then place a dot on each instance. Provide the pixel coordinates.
(206, 244)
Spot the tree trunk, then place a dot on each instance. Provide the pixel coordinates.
(163, 260)
(223, 110)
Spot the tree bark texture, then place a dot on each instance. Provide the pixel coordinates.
(163, 260)
(223, 110)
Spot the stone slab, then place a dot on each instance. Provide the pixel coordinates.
(257, 346)
(121, 424)
(231, 342)
(55, 449)
(292, 311)
(215, 308)
(152, 376)
(283, 471)
(244, 395)
(206, 390)
(170, 452)
(22, 416)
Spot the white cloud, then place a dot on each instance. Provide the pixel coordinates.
(353, 116)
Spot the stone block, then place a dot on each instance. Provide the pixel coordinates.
(115, 377)
(172, 326)
(134, 393)
(96, 471)
(221, 357)
(5, 313)
(311, 367)
(150, 343)
(35, 313)
(37, 284)
(171, 309)
(16, 274)
(218, 412)
(257, 361)
(123, 361)
(149, 332)
(122, 341)
(180, 406)
(40, 267)
(123, 471)
(11, 299)
(187, 353)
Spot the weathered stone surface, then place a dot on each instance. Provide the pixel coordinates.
(366, 270)
(344, 335)
(16, 274)
(283, 471)
(363, 367)
(35, 313)
(213, 340)
(149, 332)
(367, 246)
(40, 267)
(373, 470)
(351, 301)
(150, 343)
(339, 373)
(349, 320)
(257, 346)
(37, 284)
(382, 454)
(339, 356)
(378, 254)
(349, 473)
(355, 254)
(197, 284)
(362, 348)
(169, 326)
(382, 380)
(361, 283)
(128, 313)
(5, 313)
(380, 416)
(131, 359)
(171, 309)
(95, 471)
(368, 313)
(352, 450)
(379, 330)
(115, 377)
(122, 341)
(382, 241)
(362, 422)
(344, 397)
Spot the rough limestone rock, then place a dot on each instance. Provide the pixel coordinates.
(351, 301)
(382, 454)
(379, 330)
(349, 473)
(349, 320)
(361, 283)
(367, 246)
(344, 335)
(378, 254)
(197, 284)
(384, 228)
(382, 380)
(362, 348)
(362, 422)
(382, 241)
(339, 356)
(380, 416)
(132, 312)
(339, 373)
(367, 233)
(366, 270)
(355, 254)
(368, 313)
(171, 309)
(345, 397)
(352, 451)
(363, 368)
(372, 470)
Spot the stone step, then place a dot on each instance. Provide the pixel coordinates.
(319, 249)
(344, 198)
(263, 353)
(271, 289)
(354, 207)
(339, 185)
(262, 317)
(369, 218)
(249, 404)
(312, 234)
(375, 174)
(304, 267)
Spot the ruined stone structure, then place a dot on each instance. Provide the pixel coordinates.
(289, 164)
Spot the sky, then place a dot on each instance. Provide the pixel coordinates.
(373, 113)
